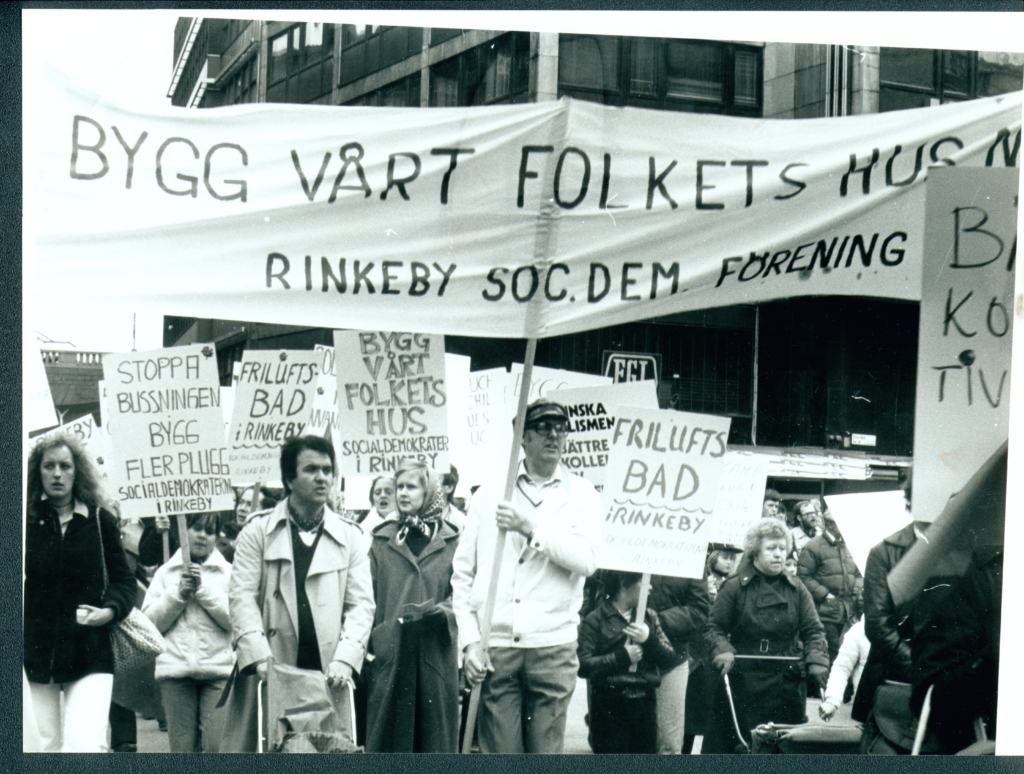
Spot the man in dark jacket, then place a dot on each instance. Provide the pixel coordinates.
(682, 605)
(828, 571)
(956, 650)
(888, 630)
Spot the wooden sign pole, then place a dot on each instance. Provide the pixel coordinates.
(186, 557)
(499, 547)
(165, 539)
(641, 606)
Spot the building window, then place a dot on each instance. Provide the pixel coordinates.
(403, 93)
(242, 87)
(301, 63)
(914, 77)
(497, 72)
(666, 74)
(367, 49)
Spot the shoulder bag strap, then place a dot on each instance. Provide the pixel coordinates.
(103, 554)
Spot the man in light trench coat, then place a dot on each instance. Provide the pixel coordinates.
(300, 590)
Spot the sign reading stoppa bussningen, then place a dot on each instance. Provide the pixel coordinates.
(164, 418)
(461, 219)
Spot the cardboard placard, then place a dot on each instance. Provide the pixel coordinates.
(273, 402)
(740, 497)
(392, 398)
(167, 431)
(660, 491)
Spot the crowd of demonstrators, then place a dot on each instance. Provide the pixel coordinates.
(553, 523)
(190, 608)
(77, 582)
(394, 606)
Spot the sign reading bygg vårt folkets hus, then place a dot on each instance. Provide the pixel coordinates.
(392, 400)
(164, 418)
(273, 402)
(962, 411)
(660, 490)
(592, 412)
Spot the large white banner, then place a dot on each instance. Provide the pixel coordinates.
(962, 410)
(522, 220)
(167, 432)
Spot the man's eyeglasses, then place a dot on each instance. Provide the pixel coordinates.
(546, 428)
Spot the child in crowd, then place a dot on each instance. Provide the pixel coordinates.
(623, 709)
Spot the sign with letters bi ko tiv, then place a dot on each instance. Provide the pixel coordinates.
(164, 419)
(740, 497)
(592, 412)
(392, 400)
(529, 220)
(962, 410)
(273, 401)
(660, 490)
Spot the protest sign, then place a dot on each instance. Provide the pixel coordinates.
(962, 407)
(392, 400)
(660, 491)
(227, 407)
(488, 426)
(273, 402)
(266, 204)
(592, 412)
(867, 518)
(547, 380)
(456, 368)
(324, 416)
(165, 423)
(740, 497)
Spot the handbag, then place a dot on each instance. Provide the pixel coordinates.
(134, 640)
(895, 720)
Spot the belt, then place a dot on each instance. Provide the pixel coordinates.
(765, 647)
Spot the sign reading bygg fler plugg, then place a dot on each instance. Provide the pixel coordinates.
(660, 490)
(162, 410)
(464, 219)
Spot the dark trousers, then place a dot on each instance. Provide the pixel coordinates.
(834, 637)
(122, 726)
(621, 725)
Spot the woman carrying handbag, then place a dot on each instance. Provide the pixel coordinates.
(77, 585)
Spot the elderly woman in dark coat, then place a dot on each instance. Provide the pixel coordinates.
(413, 700)
(762, 611)
(69, 605)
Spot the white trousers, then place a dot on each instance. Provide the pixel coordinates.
(672, 710)
(86, 706)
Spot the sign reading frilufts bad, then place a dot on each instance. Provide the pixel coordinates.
(392, 400)
(164, 419)
(273, 401)
(962, 411)
(660, 490)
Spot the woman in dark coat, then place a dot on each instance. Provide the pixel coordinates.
(68, 613)
(763, 611)
(412, 681)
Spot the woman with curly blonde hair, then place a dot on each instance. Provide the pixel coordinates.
(69, 605)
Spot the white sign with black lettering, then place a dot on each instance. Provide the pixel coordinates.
(660, 491)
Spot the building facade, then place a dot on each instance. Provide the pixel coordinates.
(831, 379)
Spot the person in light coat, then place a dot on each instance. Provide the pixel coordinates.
(323, 623)
(191, 611)
(848, 666)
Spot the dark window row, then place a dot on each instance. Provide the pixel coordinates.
(301, 63)
(493, 73)
(915, 77)
(403, 93)
(692, 75)
(366, 49)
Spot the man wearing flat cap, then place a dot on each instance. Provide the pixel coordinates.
(554, 533)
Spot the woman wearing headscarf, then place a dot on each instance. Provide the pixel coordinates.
(77, 584)
(413, 702)
(764, 613)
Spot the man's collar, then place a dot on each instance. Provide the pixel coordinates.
(555, 477)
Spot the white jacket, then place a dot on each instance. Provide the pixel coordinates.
(197, 632)
(853, 654)
(540, 590)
